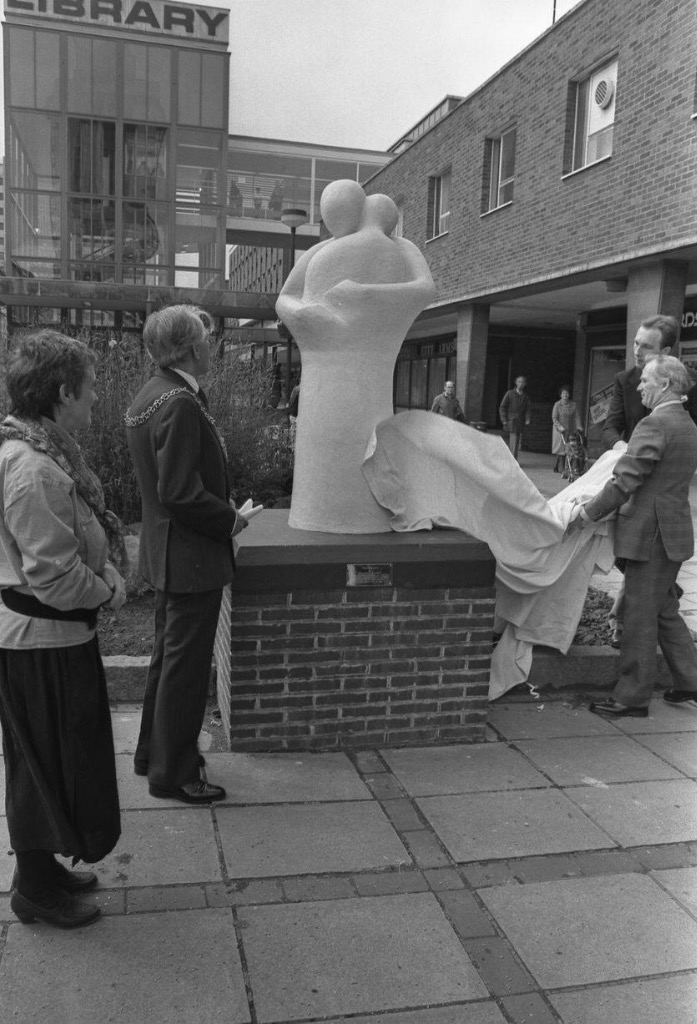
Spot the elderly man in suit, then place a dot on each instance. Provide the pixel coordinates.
(185, 547)
(653, 537)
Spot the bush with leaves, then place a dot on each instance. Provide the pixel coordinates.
(240, 395)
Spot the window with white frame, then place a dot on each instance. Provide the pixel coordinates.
(501, 169)
(594, 119)
(440, 204)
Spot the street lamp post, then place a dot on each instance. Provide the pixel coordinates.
(292, 218)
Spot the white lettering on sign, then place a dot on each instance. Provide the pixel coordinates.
(210, 23)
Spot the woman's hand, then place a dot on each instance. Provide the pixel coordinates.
(114, 580)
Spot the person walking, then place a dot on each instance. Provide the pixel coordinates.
(515, 411)
(185, 547)
(565, 418)
(649, 489)
(446, 404)
(56, 538)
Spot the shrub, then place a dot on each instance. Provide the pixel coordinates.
(240, 396)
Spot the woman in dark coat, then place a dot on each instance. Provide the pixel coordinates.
(55, 538)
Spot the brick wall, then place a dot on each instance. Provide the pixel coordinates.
(642, 200)
(358, 668)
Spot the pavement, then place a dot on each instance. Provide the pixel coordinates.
(546, 875)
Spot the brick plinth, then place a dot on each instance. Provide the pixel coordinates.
(307, 662)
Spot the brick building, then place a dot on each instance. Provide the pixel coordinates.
(557, 208)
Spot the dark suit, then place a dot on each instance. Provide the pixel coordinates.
(186, 554)
(626, 409)
(653, 536)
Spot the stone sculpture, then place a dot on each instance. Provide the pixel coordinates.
(348, 303)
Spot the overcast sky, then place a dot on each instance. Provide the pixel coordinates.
(362, 72)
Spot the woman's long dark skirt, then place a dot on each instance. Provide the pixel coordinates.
(59, 752)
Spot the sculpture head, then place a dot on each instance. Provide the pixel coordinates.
(341, 207)
(380, 211)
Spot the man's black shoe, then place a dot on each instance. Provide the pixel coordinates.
(141, 767)
(198, 792)
(679, 696)
(615, 710)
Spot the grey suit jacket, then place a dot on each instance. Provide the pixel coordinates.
(650, 487)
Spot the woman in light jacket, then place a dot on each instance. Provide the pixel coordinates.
(55, 538)
(565, 419)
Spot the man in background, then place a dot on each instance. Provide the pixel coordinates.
(515, 411)
(446, 404)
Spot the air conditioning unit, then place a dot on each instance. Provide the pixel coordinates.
(604, 91)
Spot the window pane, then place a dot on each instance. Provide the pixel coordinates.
(600, 145)
(508, 155)
(159, 84)
(104, 78)
(134, 79)
(212, 89)
(401, 397)
(506, 193)
(444, 220)
(91, 156)
(189, 83)
(34, 154)
(494, 173)
(34, 225)
(79, 75)
(47, 71)
(91, 239)
(145, 161)
(199, 177)
(436, 378)
(580, 129)
(419, 369)
(145, 233)
(21, 50)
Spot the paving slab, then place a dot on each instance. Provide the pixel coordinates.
(286, 778)
(487, 826)
(168, 968)
(165, 847)
(641, 813)
(305, 839)
(541, 719)
(595, 760)
(680, 883)
(662, 718)
(584, 931)
(671, 1000)
(463, 1013)
(7, 860)
(353, 956)
(125, 726)
(678, 748)
(465, 768)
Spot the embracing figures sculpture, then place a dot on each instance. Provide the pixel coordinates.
(348, 302)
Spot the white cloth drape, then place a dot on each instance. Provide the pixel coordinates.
(430, 471)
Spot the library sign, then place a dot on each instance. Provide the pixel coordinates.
(174, 19)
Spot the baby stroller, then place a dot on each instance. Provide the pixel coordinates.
(574, 456)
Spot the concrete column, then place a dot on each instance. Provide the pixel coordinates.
(579, 383)
(653, 289)
(472, 337)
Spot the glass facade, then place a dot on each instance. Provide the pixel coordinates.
(116, 159)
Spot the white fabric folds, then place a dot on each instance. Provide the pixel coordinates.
(430, 471)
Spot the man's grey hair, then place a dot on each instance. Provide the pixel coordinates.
(668, 370)
(667, 327)
(171, 333)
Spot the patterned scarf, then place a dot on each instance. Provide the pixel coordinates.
(46, 437)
